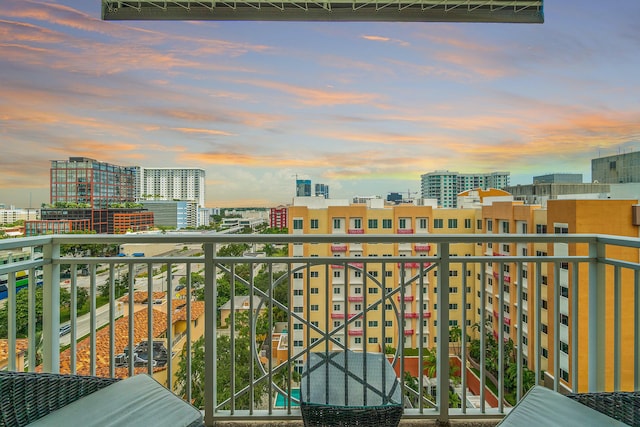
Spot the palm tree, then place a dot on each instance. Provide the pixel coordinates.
(455, 334)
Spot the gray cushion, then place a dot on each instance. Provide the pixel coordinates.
(135, 401)
(544, 407)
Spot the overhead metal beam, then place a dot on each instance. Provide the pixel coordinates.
(498, 11)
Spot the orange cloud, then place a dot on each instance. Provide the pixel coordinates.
(316, 97)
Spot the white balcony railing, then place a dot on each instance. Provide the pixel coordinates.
(602, 303)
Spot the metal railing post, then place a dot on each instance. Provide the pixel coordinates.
(597, 298)
(210, 368)
(51, 308)
(442, 332)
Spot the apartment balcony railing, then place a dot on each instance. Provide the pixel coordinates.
(581, 341)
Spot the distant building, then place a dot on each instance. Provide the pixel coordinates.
(176, 214)
(540, 193)
(303, 188)
(90, 183)
(278, 217)
(171, 184)
(322, 190)
(12, 215)
(617, 169)
(444, 186)
(90, 195)
(364, 199)
(394, 198)
(558, 178)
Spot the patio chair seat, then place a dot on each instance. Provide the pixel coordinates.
(61, 400)
(544, 407)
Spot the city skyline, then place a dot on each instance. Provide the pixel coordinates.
(365, 108)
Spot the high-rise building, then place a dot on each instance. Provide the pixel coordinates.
(444, 186)
(322, 190)
(171, 184)
(88, 183)
(617, 169)
(303, 188)
(90, 195)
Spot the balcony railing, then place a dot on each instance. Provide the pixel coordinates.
(569, 343)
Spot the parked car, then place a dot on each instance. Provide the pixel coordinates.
(180, 287)
(65, 329)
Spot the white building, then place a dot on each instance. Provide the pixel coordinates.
(445, 185)
(171, 184)
(10, 216)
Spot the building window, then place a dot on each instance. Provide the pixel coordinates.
(544, 304)
(337, 307)
(564, 319)
(561, 230)
(479, 224)
(564, 347)
(564, 374)
(315, 290)
(297, 309)
(373, 290)
(373, 223)
(388, 323)
(373, 323)
(297, 292)
(545, 328)
(314, 274)
(297, 224)
(438, 223)
(298, 275)
(373, 340)
(545, 353)
(489, 225)
(453, 223)
(297, 343)
(357, 223)
(505, 227)
(564, 291)
(336, 290)
(403, 223)
(357, 340)
(387, 223)
(541, 229)
(467, 223)
(314, 224)
(337, 223)
(506, 329)
(297, 326)
(422, 223)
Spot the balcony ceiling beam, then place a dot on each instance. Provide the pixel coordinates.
(488, 11)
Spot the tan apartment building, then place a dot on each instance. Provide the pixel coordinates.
(613, 217)
(355, 298)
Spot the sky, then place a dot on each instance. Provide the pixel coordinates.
(363, 107)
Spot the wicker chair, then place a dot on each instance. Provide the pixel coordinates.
(344, 389)
(622, 406)
(26, 396)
